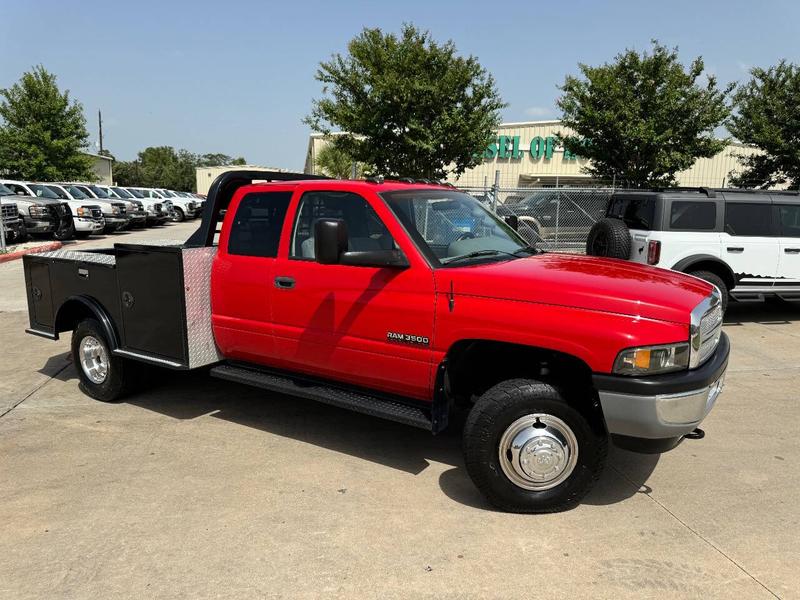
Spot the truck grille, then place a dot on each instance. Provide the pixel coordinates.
(157, 208)
(97, 214)
(710, 329)
(122, 209)
(10, 213)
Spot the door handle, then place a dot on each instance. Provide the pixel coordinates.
(284, 283)
(735, 249)
(792, 250)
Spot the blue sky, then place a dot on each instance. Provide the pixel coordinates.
(238, 76)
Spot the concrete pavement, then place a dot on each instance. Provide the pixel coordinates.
(197, 488)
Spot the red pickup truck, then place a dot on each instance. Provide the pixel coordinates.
(403, 300)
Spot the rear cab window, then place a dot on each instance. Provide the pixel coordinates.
(256, 226)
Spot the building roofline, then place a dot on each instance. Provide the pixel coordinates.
(93, 155)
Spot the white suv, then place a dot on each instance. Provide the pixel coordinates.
(746, 242)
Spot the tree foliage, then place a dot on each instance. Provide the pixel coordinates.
(412, 107)
(43, 133)
(334, 162)
(644, 117)
(164, 167)
(768, 117)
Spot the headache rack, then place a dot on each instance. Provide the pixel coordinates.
(220, 194)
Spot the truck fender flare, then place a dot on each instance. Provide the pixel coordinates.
(687, 263)
(99, 313)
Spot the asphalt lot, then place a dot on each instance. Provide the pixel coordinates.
(197, 488)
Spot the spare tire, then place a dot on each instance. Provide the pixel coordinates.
(609, 238)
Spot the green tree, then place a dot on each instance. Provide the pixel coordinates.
(412, 107)
(43, 133)
(334, 162)
(164, 167)
(644, 117)
(767, 116)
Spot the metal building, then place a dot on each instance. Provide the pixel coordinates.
(529, 155)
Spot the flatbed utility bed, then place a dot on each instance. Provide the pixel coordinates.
(156, 295)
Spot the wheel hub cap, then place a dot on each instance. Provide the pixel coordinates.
(94, 359)
(538, 452)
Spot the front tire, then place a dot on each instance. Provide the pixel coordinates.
(528, 451)
(178, 215)
(67, 233)
(102, 376)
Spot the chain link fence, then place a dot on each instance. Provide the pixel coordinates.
(552, 218)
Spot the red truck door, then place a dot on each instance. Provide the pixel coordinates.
(369, 326)
(243, 272)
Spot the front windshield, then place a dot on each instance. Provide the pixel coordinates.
(135, 193)
(4, 191)
(453, 227)
(166, 193)
(76, 193)
(99, 192)
(121, 192)
(42, 191)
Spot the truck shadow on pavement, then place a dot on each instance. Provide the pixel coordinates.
(185, 396)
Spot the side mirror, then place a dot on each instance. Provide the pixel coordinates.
(330, 240)
(512, 221)
(375, 258)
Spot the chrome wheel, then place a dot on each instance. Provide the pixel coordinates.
(94, 359)
(538, 452)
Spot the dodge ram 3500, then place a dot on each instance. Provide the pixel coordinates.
(403, 300)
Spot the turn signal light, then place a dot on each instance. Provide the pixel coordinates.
(653, 252)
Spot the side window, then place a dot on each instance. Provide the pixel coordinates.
(256, 227)
(700, 216)
(365, 230)
(748, 219)
(790, 219)
(18, 189)
(60, 193)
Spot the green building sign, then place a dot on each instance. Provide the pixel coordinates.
(509, 147)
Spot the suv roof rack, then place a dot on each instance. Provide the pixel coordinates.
(221, 192)
(712, 192)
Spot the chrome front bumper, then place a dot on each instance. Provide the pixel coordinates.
(658, 416)
(662, 407)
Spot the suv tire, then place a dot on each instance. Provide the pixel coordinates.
(102, 376)
(716, 280)
(564, 452)
(609, 238)
(178, 215)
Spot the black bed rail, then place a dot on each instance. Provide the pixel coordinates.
(221, 192)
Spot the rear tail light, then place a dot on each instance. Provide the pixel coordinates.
(653, 252)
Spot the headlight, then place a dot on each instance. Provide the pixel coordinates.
(652, 360)
(38, 211)
(84, 212)
(114, 210)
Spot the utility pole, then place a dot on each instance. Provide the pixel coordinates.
(100, 123)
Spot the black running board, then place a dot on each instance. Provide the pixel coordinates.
(305, 388)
